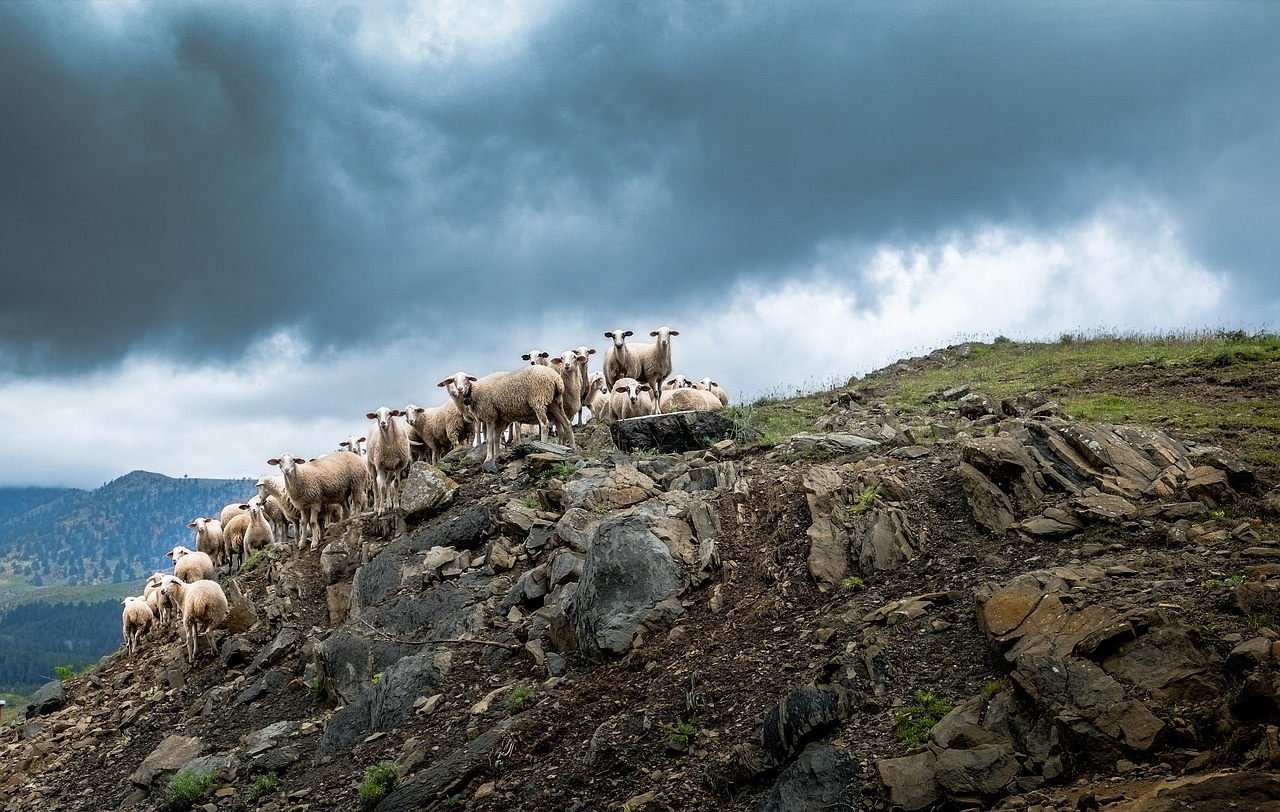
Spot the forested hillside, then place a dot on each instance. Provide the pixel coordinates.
(36, 638)
(118, 533)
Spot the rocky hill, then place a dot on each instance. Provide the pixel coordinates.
(966, 600)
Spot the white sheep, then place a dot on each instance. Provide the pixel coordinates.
(678, 382)
(597, 399)
(353, 444)
(161, 606)
(688, 399)
(388, 456)
(572, 368)
(210, 539)
(136, 619)
(190, 565)
(260, 532)
(229, 512)
(204, 608)
(619, 360)
(584, 352)
(271, 488)
(538, 357)
(654, 360)
(439, 428)
(715, 389)
(631, 398)
(528, 395)
(339, 479)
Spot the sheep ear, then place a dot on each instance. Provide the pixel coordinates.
(363, 440)
(557, 362)
(609, 334)
(193, 524)
(526, 357)
(673, 332)
(653, 332)
(273, 462)
(372, 415)
(396, 413)
(644, 387)
(627, 333)
(591, 351)
(445, 382)
(472, 378)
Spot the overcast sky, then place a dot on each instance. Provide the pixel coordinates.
(229, 229)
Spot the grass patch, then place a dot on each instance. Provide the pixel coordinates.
(186, 789)
(521, 697)
(263, 786)
(680, 733)
(913, 722)
(379, 780)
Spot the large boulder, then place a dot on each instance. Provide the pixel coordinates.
(673, 433)
(630, 584)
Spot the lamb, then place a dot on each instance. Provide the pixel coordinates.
(190, 565)
(334, 479)
(654, 361)
(714, 388)
(527, 395)
(137, 618)
(388, 457)
(440, 428)
(619, 360)
(630, 398)
(210, 539)
(204, 608)
(689, 399)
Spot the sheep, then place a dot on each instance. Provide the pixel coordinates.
(190, 565)
(260, 532)
(619, 360)
(233, 537)
(229, 512)
(204, 608)
(210, 539)
(529, 394)
(597, 399)
(440, 428)
(630, 398)
(654, 360)
(688, 399)
(160, 605)
(571, 367)
(388, 457)
(538, 357)
(136, 619)
(715, 389)
(271, 488)
(352, 443)
(584, 352)
(334, 479)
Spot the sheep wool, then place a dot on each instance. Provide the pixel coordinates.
(137, 618)
(528, 395)
(204, 608)
(190, 565)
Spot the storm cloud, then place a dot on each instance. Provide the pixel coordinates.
(448, 184)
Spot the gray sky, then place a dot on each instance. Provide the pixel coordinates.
(229, 229)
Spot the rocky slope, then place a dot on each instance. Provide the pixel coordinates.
(737, 627)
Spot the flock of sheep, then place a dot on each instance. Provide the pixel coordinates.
(307, 494)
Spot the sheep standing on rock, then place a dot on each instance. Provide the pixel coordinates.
(572, 368)
(597, 399)
(584, 352)
(631, 398)
(335, 479)
(137, 618)
(528, 395)
(210, 539)
(439, 429)
(160, 605)
(388, 456)
(619, 360)
(654, 360)
(260, 533)
(190, 565)
(204, 608)
(271, 488)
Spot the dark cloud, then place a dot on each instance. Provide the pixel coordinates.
(194, 178)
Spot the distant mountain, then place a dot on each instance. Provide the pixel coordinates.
(117, 533)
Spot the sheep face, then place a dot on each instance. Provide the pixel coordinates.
(288, 463)
(619, 337)
(631, 388)
(459, 386)
(536, 356)
(680, 382)
(583, 351)
(177, 553)
(663, 334)
(383, 415)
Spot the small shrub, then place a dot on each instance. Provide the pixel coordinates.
(991, 689)
(520, 697)
(379, 779)
(64, 672)
(913, 723)
(186, 789)
(531, 502)
(317, 690)
(263, 786)
(852, 584)
(376, 678)
(680, 733)
(863, 501)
